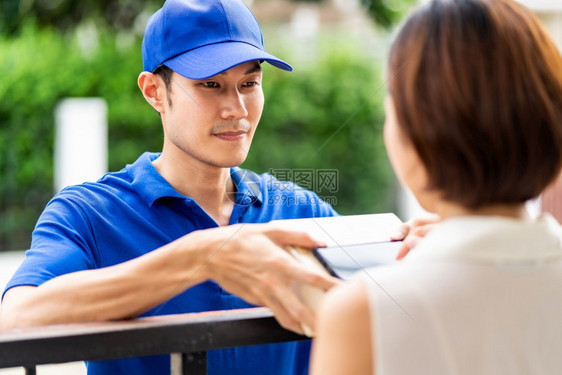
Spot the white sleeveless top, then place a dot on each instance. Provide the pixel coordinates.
(478, 295)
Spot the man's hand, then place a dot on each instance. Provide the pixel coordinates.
(412, 231)
(250, 262)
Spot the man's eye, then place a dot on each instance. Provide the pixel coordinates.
(250, 84)
(210, 84)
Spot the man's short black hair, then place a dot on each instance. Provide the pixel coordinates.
(166, 74)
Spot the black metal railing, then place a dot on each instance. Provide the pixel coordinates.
(186, 337)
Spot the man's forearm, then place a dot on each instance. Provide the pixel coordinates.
(117, 292)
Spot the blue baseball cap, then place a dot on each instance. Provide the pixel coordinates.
(201, 38)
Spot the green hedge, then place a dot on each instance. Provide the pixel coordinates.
(326, 116)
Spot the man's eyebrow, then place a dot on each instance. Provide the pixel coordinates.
(256, 68)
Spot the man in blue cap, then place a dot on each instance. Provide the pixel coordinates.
(166, 234)
(169, 233)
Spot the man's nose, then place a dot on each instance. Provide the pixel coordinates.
(234, 106)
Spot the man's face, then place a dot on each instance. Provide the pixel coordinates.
(213, 120)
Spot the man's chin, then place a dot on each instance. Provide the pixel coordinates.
(229, 163)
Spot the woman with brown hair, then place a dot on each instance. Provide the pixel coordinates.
(474, 129)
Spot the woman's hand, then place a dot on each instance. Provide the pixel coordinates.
(412, 231)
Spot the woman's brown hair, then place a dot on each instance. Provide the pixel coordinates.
(477, 88)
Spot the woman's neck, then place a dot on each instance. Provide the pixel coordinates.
(513, 211)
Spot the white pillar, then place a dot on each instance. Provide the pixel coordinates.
(80, 141)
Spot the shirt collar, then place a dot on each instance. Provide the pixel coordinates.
(147, 182)
(492, 239)
(248, 186)
(151, 186)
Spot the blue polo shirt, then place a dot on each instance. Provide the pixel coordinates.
(131, 212)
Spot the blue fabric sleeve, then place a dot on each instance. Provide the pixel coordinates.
(62, 242)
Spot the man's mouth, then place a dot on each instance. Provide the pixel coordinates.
(231, 135)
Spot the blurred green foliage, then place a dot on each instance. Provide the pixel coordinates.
(122, 15)
(64, 15)
(387, 12)
(327, 115)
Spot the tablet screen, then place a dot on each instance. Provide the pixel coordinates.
(343, 261)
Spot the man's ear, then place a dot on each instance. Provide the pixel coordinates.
(153, 89)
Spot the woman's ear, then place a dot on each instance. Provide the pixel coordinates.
(153, 89)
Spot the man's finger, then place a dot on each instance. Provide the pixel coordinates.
(283, 315)
(299, 310)
(283, 237)
(323, 281)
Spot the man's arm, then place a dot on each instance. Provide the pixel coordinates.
(247, 260)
